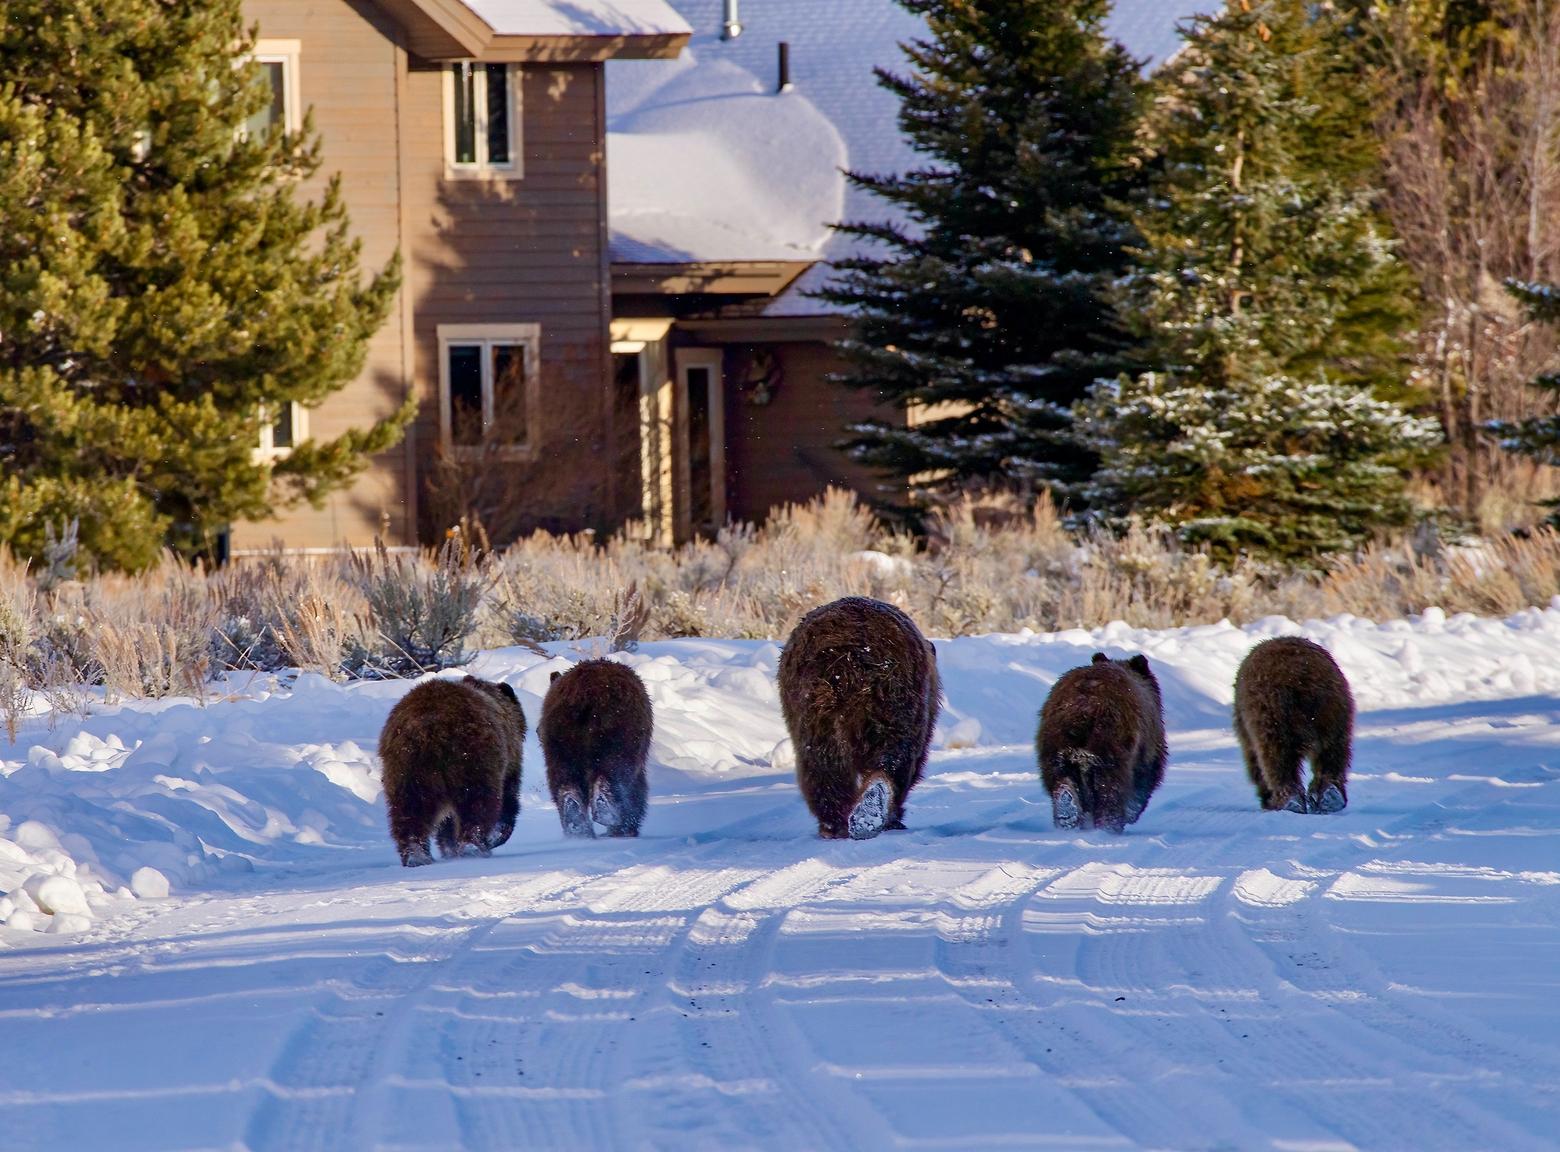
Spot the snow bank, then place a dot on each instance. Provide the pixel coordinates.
(143, 799)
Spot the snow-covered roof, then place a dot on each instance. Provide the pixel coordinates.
(579, 17)
(707, 162)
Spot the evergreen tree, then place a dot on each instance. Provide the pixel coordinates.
(986, 306)
(163, 284)
(1538, 436)
(1265, 298)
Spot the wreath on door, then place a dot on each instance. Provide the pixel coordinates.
(760, 376)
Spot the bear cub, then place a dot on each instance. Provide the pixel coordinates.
(595, 735)
(1292, 702)
(1101, 743)
(451, 755)
(859, 691)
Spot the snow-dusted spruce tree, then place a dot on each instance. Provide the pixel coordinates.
(163, 282)
(1537, 436)
(1255, 298)
(986, 306)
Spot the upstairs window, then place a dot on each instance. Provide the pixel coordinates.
(280, 436)
(482, 120)
(277, 63)
(488, 388)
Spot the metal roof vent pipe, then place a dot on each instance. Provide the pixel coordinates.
(731, 26)
(784, 84)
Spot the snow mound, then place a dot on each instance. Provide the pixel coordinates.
(144, 800)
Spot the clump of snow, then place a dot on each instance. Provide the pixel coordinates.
(149, 884)
(881, 563)
(57, 894)
(963, 733)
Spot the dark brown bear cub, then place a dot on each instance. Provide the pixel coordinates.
(1101, 743)
(1292, 702)
(859, 691)
(451, 755)
(595, 733)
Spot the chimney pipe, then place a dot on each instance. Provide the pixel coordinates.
(785, 67)
(731, 26)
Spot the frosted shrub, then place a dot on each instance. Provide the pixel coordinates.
(421, 610)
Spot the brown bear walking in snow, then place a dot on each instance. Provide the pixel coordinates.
(1292, 702)
(595, 733)
(859, 691)
(451, 755)
(1101, 743)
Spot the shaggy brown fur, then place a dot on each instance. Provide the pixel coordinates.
(1292, 702)
(859, 691)
(1101, 743)
(451, 754)
(595, 733)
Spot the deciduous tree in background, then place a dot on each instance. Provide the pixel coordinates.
(1470, 127)
(163, 282)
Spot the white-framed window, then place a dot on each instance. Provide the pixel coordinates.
(482, 120)
(277, 62)
(280, 436)
(489, 388)
(701, 387)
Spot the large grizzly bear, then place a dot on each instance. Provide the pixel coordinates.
(451, 754)
(595, 732)
(1292, 702)
(1101, 743)
(859, 691)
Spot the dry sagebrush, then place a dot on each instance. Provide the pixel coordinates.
(991, 565)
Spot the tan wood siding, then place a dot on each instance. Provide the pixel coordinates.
(528, 250)
(347, 75)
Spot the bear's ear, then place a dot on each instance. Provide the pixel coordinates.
(508, 691)
(1139, 664)
(553, 677)
(1101, 658)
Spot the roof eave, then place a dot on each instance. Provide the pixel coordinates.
(585, 49)
(440, 29)
(707, 277)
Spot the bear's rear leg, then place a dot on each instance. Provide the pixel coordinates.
(447, 836)
(572, 815)
(508, 812)
(871, 812)
(414, 853)
(618, 808)
(604, 808)
(1329, 771)
(1280, 766)
(1066, 811)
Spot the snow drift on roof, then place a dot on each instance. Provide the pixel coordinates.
(707, 161)
(579, 17)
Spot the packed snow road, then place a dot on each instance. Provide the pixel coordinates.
(1386, 978)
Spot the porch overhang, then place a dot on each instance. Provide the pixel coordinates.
(708, 278)
(824, 329)
(439, 30)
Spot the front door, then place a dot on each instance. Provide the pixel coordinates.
(702, 432)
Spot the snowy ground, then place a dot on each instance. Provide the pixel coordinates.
(1388, 978)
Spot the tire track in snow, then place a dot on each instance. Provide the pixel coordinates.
(567, 1002)
(311, 1101)
(1301, 1056)
(1055, 1022)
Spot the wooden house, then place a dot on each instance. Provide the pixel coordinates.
(470, 136)
(611, 214)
